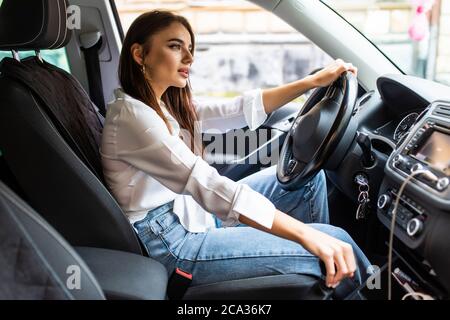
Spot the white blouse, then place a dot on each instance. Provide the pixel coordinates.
(145, 166)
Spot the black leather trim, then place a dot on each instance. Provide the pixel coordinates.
(276, 287)
(124, 275)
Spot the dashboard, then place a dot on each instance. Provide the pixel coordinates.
(408, 122)
(416, 187)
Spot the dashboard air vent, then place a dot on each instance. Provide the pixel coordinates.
(442, 110)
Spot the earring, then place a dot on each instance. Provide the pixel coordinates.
(146, 76)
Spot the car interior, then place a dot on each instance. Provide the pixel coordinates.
(384, 145)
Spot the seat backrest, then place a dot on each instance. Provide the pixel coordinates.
(49, 134)
(65, 102)
(35, 261)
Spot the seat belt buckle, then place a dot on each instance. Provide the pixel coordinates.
(179, 282)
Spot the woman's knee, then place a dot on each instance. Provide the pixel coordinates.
(320, 180)
(317, 196)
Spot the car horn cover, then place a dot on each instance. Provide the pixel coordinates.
(316, 131)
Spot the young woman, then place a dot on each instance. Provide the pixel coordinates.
(171, 195)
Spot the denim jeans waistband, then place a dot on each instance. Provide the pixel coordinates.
(159, 210)
(154, 213)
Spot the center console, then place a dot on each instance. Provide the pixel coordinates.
(428, 148)
(423, 215)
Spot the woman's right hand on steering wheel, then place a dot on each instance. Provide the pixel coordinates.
(330, 73)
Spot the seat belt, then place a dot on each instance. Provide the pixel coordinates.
(178, 284)
(90, 44)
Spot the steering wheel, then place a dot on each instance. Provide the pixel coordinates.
(313, 140)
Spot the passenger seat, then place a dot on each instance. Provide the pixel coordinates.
(37, 263)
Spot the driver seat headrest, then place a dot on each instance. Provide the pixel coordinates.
(33, 25)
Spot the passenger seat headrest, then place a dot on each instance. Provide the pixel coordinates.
(33, 25)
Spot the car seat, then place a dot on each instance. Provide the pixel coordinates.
(37, 263)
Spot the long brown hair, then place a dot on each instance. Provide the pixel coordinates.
(177, 100)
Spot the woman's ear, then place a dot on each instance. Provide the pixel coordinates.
(137, 53)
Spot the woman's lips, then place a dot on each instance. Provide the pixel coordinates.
(184, 72)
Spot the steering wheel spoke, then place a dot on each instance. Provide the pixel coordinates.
(292, 164)
(294, 126)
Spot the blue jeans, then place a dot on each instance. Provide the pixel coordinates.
(221, 254)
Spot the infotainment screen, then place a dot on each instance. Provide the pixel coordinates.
(436, 151)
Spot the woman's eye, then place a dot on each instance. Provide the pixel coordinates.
(175, 46)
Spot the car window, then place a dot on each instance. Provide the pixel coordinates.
(239, 46)
(414, 34)
(56, 57)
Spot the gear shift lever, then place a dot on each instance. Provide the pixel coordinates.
(365, 144)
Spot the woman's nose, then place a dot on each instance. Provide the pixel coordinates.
(188, 58)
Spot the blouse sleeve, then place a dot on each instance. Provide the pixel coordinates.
(222, 116)
(144, 141)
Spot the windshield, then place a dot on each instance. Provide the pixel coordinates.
(414, 34)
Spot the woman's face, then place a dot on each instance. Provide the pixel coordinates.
(169, 59)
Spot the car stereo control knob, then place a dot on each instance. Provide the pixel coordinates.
(384, 201)
(414, 227)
